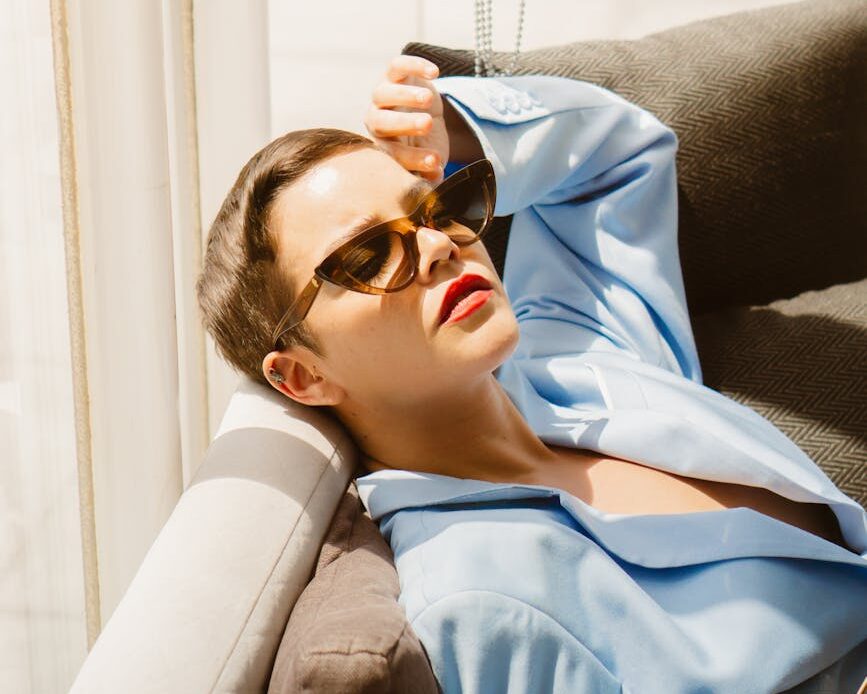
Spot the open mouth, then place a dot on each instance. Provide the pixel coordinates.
(463, 297)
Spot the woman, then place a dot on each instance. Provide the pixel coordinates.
(570, 509)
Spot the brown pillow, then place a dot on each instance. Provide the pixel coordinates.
(347, 633)
(770, 110)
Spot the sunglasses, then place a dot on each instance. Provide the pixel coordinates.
(384, 258)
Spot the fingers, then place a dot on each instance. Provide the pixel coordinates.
(403, 66)
(405, 116)
(384, 123)
(425, 161)
(405, 88)
(391, 94)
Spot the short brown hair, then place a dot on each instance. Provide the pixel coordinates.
(241, 290)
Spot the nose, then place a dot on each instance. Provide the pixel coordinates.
(433, 246)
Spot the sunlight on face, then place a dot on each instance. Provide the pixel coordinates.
(321, 180)
(388, 346)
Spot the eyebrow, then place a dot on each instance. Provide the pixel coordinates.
(409, 199)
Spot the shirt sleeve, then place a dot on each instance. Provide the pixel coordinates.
(481, 642)
(593, 263)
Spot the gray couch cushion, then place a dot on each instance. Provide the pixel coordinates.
(802, 363)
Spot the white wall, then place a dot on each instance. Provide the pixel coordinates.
(326, 57)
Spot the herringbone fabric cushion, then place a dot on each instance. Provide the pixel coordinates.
(802, 363)
(770, 108)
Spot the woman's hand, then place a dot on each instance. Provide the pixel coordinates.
(406, 117)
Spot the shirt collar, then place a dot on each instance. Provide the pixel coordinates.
(654, 541)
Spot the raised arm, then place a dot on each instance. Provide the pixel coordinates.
(593, 261)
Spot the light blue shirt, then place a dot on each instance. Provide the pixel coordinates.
(525, 588)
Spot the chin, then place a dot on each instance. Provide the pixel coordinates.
(481, 342)
(496, 340)
(510, 344)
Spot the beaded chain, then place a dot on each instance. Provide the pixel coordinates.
(484, 32)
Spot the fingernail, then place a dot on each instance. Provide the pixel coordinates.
(420, 122)
(429, 160)
(431, 72)
(420, 97)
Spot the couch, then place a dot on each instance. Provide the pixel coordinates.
(270, 575)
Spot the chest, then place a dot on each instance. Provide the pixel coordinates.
(620, 486)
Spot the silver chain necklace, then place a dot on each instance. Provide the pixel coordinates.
(484, 31)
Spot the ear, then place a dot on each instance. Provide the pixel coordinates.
(294, 373)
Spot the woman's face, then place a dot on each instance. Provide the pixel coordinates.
(388, 347)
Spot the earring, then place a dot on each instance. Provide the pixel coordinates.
(276, 376)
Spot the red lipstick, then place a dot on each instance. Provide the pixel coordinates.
(466, 294)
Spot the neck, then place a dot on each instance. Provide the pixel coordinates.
(476, 433)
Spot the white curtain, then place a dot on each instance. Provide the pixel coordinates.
(109, 390)
(42, 607)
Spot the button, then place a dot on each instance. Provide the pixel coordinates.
(508, 100)
(534, 100)
(512, 105)
(498, 103)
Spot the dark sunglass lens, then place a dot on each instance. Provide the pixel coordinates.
(461, 211)
(376, 262)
